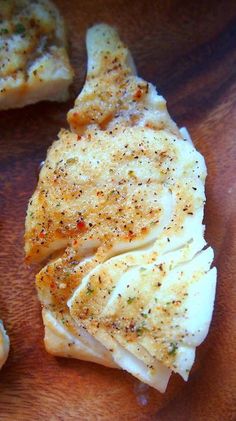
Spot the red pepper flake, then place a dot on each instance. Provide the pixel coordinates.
(131, 326)
(131, 235)
(52, 285)
(42, 234)
(81, 226)
(138, 94)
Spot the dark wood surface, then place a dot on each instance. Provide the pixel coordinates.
(188, 50)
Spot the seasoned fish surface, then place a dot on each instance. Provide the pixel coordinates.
(4, 345)
(113, 94)
(112, 189)
(118, 211)
(34, 64)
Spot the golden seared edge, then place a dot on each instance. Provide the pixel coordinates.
(32, 33)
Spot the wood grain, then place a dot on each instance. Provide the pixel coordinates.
(188, 50)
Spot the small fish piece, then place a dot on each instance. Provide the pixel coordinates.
(113, 94)
(34, 64)
(4, 345)
(118, 211)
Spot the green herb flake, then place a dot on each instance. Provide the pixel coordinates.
(139, 331)
(67, 273)
(172, 349)
(4, 31)
(19, 28)
(130, 300)
(144, 315)
(89, 290)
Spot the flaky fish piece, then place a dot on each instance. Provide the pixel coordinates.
(4, 345)
(34, 63)
(113, 94)
(118, 211)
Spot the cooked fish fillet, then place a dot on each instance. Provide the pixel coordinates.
(4, 345)
(113, 94)
(118, 211)
(34, 64)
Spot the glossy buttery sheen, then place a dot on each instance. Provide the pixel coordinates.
(119, 208)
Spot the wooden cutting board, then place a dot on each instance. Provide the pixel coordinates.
(188, 50)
